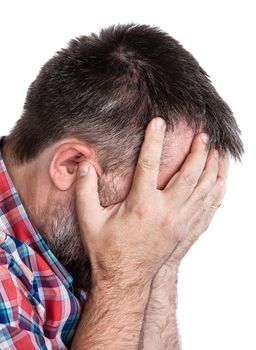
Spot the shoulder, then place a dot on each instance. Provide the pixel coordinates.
(17, 280)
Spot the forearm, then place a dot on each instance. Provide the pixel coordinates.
(112, 319)
(160, 330)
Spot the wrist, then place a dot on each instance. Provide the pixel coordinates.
(121, 289)
(113, 316)
(166, 276)
(121, 280)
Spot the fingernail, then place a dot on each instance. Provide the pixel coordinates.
(205, 138)
(83, 170)
(216, 154)
(159, 124)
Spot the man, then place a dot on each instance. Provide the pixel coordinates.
(102, 267)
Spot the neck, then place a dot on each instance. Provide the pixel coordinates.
(23, 178)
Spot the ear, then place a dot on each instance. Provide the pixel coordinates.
(65, 160)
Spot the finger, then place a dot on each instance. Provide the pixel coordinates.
(197, 201)
(199, 222)
(87, 198)
(206, 182)
(191, 170)
(214, 199)
(147, 168)
(223, 166)
(217, 195)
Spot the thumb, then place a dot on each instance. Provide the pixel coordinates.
(87, 197)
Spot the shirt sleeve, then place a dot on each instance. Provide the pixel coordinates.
(21, 326)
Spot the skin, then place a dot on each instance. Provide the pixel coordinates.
(126, 253)
(51, 179)
(47, 190)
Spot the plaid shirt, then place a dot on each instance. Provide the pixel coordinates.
(38, 309)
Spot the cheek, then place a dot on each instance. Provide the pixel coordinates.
(113, 190)
(124, 188)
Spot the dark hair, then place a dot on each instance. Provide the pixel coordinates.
(105, 88)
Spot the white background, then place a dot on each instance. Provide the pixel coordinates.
(217, 290)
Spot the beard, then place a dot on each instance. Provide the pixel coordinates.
(60, 229)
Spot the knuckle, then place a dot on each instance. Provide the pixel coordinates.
(201, 192)
(147, 164)
(140, 211)
(189, 180)
(201, 208)
(157, 138)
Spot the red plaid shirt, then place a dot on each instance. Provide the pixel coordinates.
(38, 309)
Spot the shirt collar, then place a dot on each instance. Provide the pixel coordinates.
(15, 222)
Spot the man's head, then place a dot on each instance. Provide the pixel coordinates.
(92, 101)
